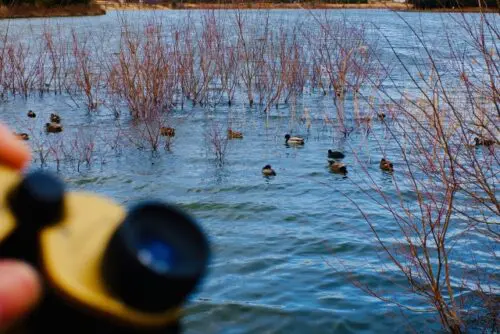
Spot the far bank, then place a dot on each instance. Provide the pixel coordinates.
(100, 7)
(37, 11)
(361, 4)
(269, 5)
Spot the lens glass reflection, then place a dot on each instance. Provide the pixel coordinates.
(156, 255)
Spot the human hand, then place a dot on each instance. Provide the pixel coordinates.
(20, 286)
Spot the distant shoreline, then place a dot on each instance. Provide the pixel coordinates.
(114, 5)
(388, 5)
(101, 6)
(32, 11)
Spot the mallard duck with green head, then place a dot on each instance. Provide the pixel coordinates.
(53, 127)
(335, 155)
(268, 171)
(295, 140)
(55, 118)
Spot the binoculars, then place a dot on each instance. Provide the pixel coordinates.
(105, 269)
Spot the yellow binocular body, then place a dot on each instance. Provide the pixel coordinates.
(98, 259)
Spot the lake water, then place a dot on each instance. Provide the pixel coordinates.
(286, 250)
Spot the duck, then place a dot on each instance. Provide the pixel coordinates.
(338, 167)
(22, 136)
(268, 171)
(53, 127)
(31, 114)
(483, 141)
(55, 118)
(169, 132)
(364, 119)
(335, 155)
(386, 165)
(293, 140)
(234, 134)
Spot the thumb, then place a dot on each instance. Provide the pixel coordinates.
(20, 290)
(13, 152)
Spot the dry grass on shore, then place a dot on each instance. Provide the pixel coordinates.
(307, 5)
(114, 5)
(30, 11)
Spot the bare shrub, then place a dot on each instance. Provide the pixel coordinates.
(217, 141)
(228, 66)
(82, 145)
(24, 63)
(344, 60)
(142, 74)
(87, 71)
(41, 148)
(452, 181)
(58, 54)
(252, 45)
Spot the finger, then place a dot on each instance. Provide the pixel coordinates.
(20, 290)
(13, 152)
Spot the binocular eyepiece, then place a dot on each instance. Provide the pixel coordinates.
(122, 270)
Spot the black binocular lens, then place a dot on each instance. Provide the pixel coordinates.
(157, 255)
(155, 258)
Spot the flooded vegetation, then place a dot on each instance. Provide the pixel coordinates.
(379, 211)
